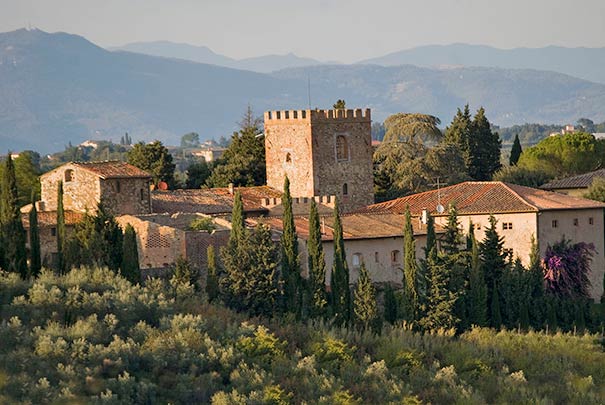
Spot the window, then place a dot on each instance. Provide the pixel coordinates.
(507, 225)
(575, 222)
(53, 231)
(395, 257)
(142, 195)
(376, 258)
(591, 221)
(478, 227)
(69, 175)
(345, 189)
(555, 223)
(342, 148)
(118, 186)
(288, 158)
(357, 259)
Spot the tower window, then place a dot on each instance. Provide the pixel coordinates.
(142, 195)
(345, 189)
(394, 256)
(118, 186)
(591, 221)
(376, 257)
(288, 158)
(69, 175)
(342, 148)
(575, 222)
(555, 223)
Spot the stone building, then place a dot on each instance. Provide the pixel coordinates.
(123, 188)
(576, 186)
(521, 212)
(323, 152)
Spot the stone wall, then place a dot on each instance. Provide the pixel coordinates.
(124, 196)
(81, 193)
(303, 146)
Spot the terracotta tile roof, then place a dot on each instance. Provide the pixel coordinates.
(210, 201)
(579, 181)
(112, 170)
(476, 197)
(355, 226)
(49, 218)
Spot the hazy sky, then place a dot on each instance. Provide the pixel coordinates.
(324, 29)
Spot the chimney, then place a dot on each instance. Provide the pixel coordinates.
(230, 188)
(425, 216)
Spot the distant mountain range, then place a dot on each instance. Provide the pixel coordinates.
(202, 54)
(57, 88)
(584, 63)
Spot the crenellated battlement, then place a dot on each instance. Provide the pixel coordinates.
(327, 200)
(318, 115)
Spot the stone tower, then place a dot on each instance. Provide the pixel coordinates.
(323, 152)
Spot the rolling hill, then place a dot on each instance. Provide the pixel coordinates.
(58, 88)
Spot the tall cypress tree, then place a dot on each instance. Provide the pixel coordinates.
(390, 305)
(459, 133)
(13, 234)
(537, 302)
(212, 288)
(130, 262)
(60, 228)
(410, 270)
(341, 293)
(495, 314)
(477, 300)
(485, 148)
(235, 257)
(364, 302)
(452, 237)
(290, 265)
(515, 152)
(440, 301)
(34, 241)
(317, 266)
(494, 263)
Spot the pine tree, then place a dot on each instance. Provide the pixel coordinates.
(494, 261)
(212, 288)
(452, 237)
(130, 263)
(477, 299)
(390, 305)
(441, 301)
(485, 148)
(60, 229)
(34, 241)
(290, 265)
(341, 293)
(13, 234)
(410, 270)
(459, 133)
(364, 302)
(515, 152)
(316, 261)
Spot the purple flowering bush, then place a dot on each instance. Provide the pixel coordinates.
(566, 267)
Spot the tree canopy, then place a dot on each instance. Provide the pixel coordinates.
(154, 158)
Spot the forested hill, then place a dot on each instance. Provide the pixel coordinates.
(57, 88)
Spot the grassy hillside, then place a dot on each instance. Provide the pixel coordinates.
(91, 337)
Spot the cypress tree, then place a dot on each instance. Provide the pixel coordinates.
(317, 265)
(494, 261)
(485, 148)
(410, 270)
(496, 316)
(431, 238)
(536, 286)
(390, 305)
(552, 320)
(341, 293)
(130, 263)
(261, 291)
(423, 270)
(515, 152)
(13, 234)
(364, 302)
(459, 133)
(60, 229)
(440, 301)
(477, 299)
(524, 322)
(452, 237)
(110, 252)
(34, 241)
(290, 265)
(212, 288)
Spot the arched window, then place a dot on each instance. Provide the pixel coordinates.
(288, 158)
(357, 260)
(342, 148)
(345, 189)
(395, 257)
(69, 175)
